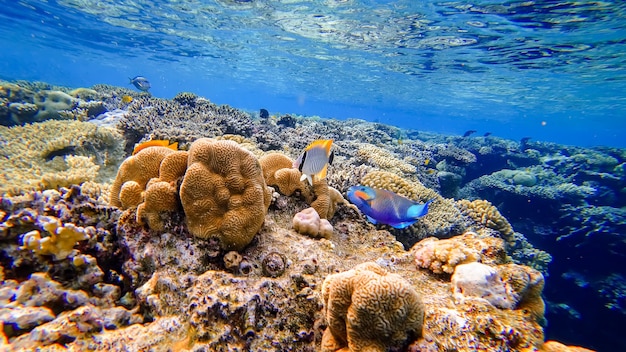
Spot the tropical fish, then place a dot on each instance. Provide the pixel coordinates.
(264, 114)
(469, 133)
(314, 161)
(386, 207)
(127, 99)
(70, 149)
(426, 162)
(155, 143)
(140, 83)
(487, 134)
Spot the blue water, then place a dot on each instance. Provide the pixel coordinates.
(550, 70)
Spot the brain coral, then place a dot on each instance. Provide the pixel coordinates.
(134, 174)
(368, 309)
(484, 213)
(223, 193)
(85, 152)
(161, 193)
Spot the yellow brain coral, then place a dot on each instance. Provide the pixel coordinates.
(134, 174)
(161, 194)
(223, 193)
(486, 214)
(368, 309)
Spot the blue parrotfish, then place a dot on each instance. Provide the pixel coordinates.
(385, 207)
(140, 83)
(314, 161)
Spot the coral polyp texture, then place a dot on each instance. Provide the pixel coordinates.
(442, 256)
(52, 154)
(486, 214)
(369, 309)
(223, 193)
(220, 247)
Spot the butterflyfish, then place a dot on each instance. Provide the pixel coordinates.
(314, 161)
(385, 207)
(155, 143)
(127, 99)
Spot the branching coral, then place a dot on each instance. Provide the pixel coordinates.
(224, 193)
(61, 241)
(368, 309)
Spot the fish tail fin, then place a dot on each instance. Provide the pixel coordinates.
(322, 174)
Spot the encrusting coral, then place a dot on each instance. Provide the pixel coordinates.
(442, 256)
(61, 241)
(308, 222)
(368, 309)
(223, 193)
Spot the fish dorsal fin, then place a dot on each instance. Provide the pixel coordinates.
(418, 210)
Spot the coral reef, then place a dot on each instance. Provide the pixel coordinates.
(368, 309)
(443, 218)
(223, 193)
(54, 154)
(127, 286)
(442, 256)
(308, 222)
(484, 213)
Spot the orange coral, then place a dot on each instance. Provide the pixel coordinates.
(161, 193)
(368, 309)
(224, 193)
(139, 168)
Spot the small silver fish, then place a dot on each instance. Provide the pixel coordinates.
(140, 83)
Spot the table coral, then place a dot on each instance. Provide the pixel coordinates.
(308, 222)
(442, 256)
(94, 154)
(224, 193)
(369, 309)
(486, 214)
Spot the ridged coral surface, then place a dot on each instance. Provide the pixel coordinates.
(224, 193)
